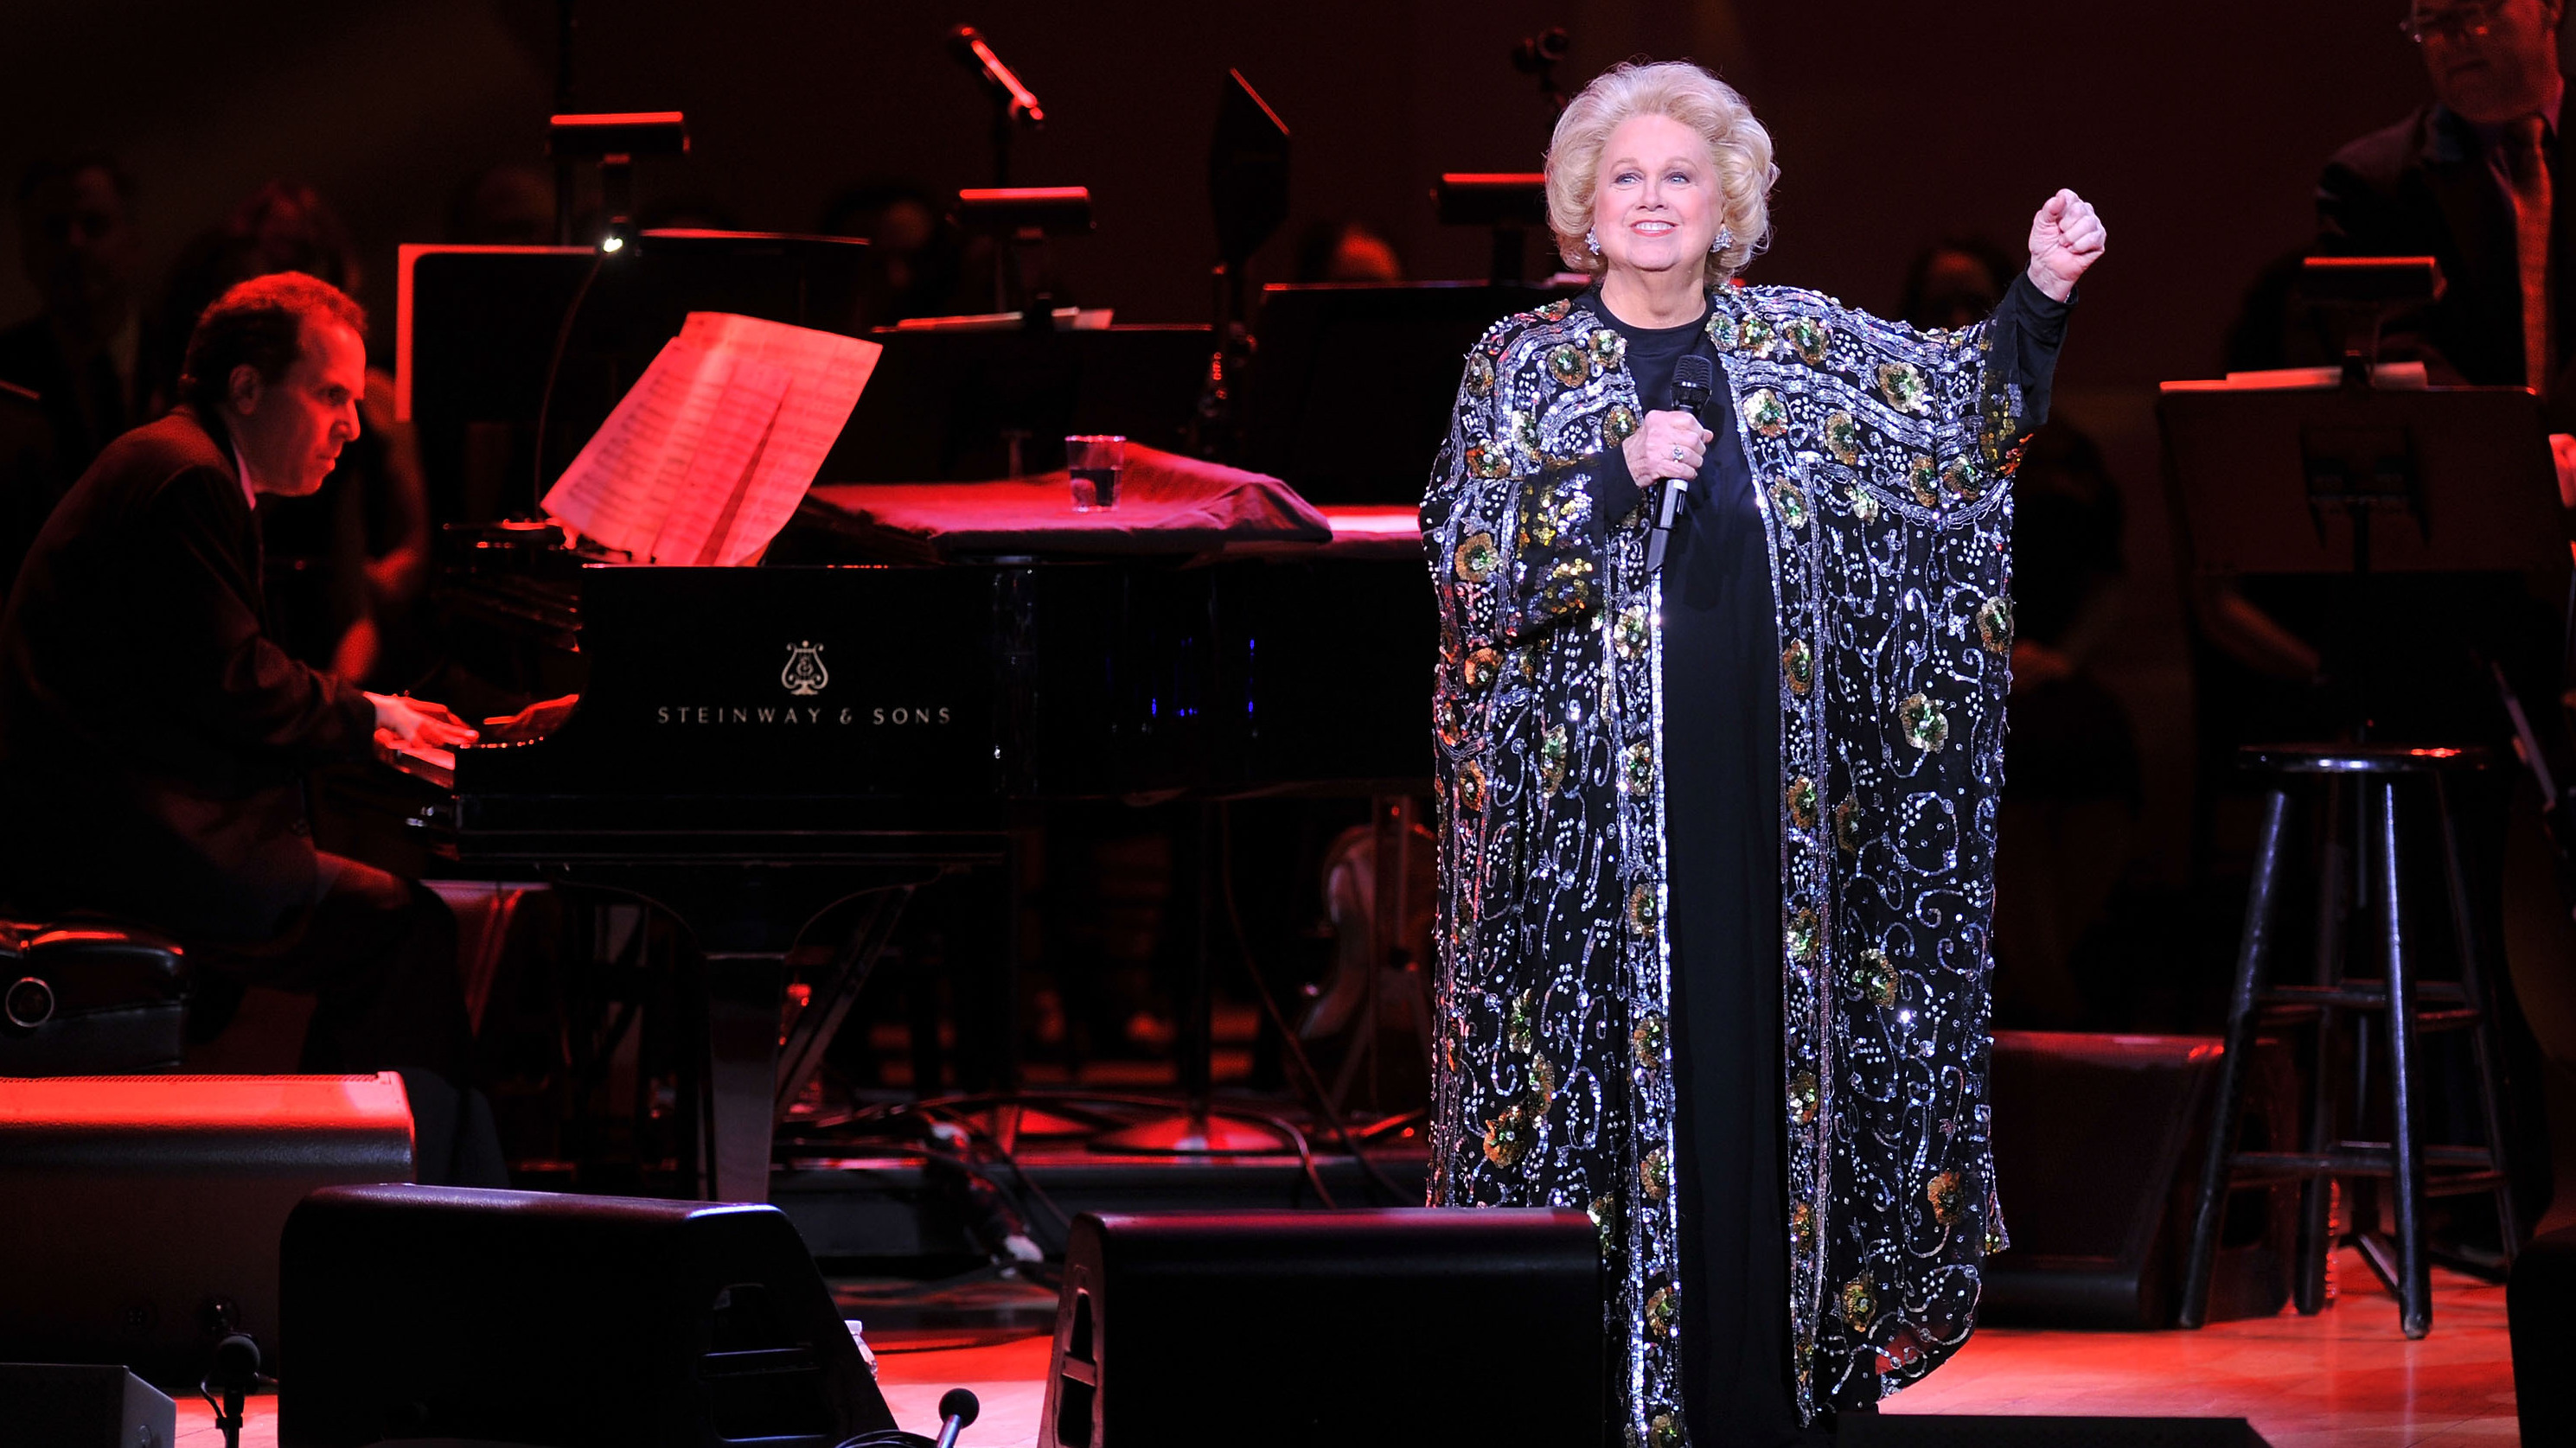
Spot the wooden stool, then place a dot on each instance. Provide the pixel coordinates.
(2406, 1006)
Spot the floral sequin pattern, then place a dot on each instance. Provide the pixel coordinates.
(1926, 726)
(1873, 979)
(1884, 457)
(1647, 1041)
(1995, 625)
(1764, 412)
(1901, 383)
(1798, 667)
(1801, 803)
(1842, 438)
(1664, 1311)
(1555, 748)
(1806, 337)
(1637, 768)
(1629, 637)
(1568, 366)
(1478, 558)
(1645, 911)
(1789, 504)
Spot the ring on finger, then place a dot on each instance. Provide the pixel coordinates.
(1677, 452)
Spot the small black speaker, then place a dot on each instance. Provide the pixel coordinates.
(1350, 1329)
(2098, 1141)
(67, 1405)
(564, 1321)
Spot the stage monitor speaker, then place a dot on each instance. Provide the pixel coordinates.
(83, 1405)
(145, 1210)
(2097, 1151)
(1936, 1430)
(1349, 1329)
(562, 1321)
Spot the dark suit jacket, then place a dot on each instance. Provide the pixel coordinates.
(2422, 187)
(153, 740)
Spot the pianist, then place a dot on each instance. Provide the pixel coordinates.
(153, 739)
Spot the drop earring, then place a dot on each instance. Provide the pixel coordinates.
(1725, 238)
(1592, 240)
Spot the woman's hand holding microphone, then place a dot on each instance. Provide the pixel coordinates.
(1668, 445)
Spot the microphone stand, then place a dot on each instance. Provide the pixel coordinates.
(231, 1374)
(1014, 105)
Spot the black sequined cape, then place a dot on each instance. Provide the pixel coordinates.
(1882, 458)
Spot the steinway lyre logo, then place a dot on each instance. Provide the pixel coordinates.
(805, 675)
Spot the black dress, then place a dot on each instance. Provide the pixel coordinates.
(1721, 670)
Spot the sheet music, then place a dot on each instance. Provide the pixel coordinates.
(745, 398)
(827, 372)
(707, 456)
(619, 489)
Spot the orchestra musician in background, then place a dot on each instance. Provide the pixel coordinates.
(1717, 842)
(154, 738)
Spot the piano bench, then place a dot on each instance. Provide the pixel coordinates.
(90, 997)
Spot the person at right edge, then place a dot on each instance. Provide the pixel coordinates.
(1717, 844)
(2471, 179)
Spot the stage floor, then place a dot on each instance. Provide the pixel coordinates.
(2345, 1378)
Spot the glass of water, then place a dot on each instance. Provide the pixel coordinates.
(1095, 460)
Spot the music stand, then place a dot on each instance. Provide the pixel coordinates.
(475, 326)
(1338, 440)
(2361, 480)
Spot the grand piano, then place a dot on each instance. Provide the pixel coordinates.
(756, 750)
(783, 753)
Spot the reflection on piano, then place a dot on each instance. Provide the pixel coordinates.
(753, 746)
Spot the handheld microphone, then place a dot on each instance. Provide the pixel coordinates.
(1694, 378)
(968, 45)
(957, 1410)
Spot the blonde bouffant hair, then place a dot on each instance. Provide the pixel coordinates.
(1684, 93)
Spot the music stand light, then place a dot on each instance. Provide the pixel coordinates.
(1020, 219)
(615, 139)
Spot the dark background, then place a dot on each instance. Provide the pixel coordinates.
(2197, 126)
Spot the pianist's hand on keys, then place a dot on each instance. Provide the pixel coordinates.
(534, 722)
(419, 722)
